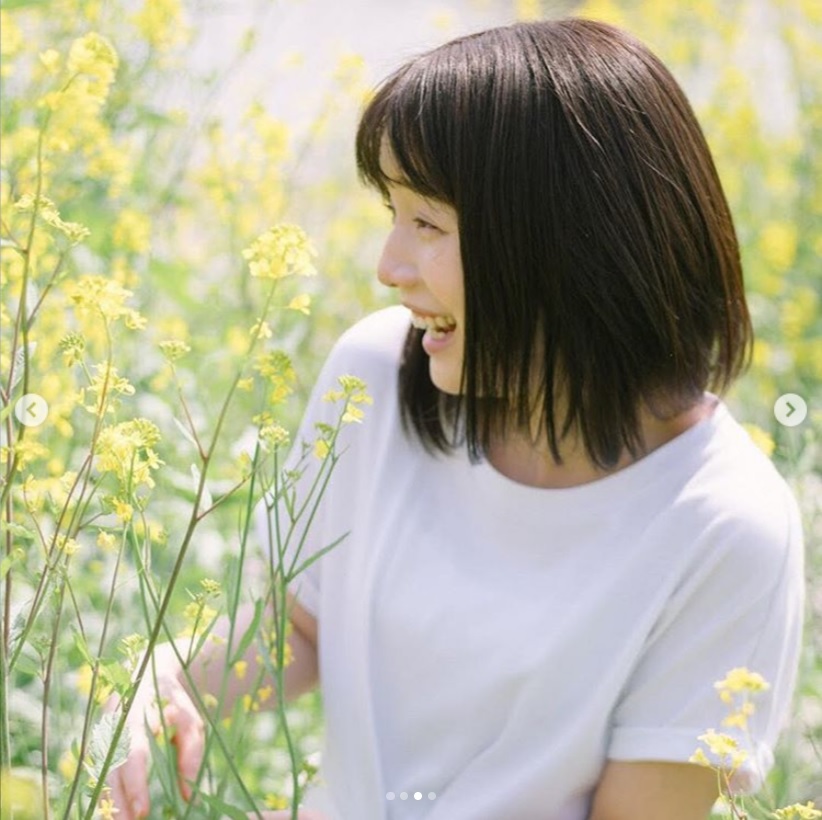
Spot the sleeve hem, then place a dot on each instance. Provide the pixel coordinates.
(678, 745)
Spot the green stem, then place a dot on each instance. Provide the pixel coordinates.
(175, 574)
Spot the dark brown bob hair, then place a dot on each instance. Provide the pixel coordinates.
(599, 255)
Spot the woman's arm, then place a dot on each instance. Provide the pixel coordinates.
(206, 670)
(641, 790)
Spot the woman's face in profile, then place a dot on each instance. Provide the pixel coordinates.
(421, 258)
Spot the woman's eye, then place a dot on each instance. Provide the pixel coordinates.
(424, 226)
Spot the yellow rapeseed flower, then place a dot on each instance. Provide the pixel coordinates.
(94, 56)
(126, 450)
(798, 812)
(301, 303)
(275, 801)
(106, 808)
(50, 58)
(741, 679)
(123, 510)
(725, 748)
(106, 297)
(321, 448)
(161, 23)
(106, 541)
(48, 212)
(281, 251)
(174, 349)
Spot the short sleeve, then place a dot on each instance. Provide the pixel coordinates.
(741, 607)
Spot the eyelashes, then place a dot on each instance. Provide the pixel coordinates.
(419, 222)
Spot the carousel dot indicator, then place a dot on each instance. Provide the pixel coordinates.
(417, 795)
(389, 796)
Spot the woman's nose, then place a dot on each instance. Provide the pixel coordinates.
(395, 269)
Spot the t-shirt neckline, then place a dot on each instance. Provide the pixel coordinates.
(686, 446)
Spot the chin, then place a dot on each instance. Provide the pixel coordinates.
(446, 380)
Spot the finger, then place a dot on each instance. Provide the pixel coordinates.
(129, 781)
(189, 739)
(121, 805)
(130, 786)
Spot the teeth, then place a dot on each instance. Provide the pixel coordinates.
(437, 326)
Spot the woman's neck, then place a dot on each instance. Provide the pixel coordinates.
(527, 462)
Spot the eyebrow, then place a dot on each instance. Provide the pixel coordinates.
(437, 204)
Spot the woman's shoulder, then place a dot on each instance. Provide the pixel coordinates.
(375, 339)
(742, 498)
(371, 350)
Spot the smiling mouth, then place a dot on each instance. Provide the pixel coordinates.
(436, 326)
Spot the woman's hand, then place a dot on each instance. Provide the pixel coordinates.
(129, 782)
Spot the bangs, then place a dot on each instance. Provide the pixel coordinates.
(406, 115)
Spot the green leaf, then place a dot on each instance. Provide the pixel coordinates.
(82, 647)
(16, 557)
(102, 737)
(248, 635)
(218, 805)
(315, 557)
(19, 530)
(117, 675)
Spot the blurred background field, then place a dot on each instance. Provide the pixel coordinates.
(213, 121)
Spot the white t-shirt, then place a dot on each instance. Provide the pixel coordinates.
(486, 646)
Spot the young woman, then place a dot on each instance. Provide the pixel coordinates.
(559, 537)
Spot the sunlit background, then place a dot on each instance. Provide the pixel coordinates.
(193, 129)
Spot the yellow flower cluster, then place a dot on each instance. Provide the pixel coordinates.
(72, 345)
(35, 491)
(735, 690)
(273, 436)
(105, 383)
(126, 450)
(280, 251)
(104, 297)
(47, 211)
(161, 24)
(725, 750)
(798, 812)
(74, 108)
(253, 704)
(174, 349)
(106, 809)
(276, 368)
(199, 614)
(275, 801)
(354, 393)
(94, 57)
